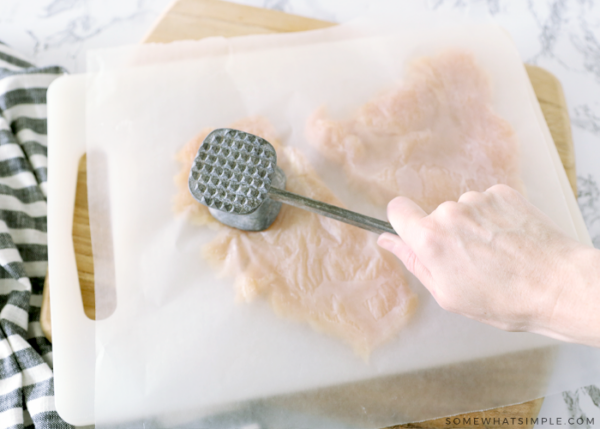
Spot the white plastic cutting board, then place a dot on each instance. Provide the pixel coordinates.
(74, 334)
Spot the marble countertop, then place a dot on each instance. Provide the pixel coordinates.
(562, 36)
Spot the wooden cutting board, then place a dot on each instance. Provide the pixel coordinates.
(196, 19)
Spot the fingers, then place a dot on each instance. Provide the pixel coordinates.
(389, 241)
(398, 247)
(471, 197)
(403, 213)
(502, 189)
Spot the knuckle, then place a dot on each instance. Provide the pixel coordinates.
(451, 211)
(498, 188)
(427, 237)
(506, 193)
(447, 209)
(470, 197)
(502, 190)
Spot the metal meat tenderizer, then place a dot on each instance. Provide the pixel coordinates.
(235, 174)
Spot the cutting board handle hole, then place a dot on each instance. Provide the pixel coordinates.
(93, 258)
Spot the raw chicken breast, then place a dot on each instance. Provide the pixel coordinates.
(431, 139)
(310, 268)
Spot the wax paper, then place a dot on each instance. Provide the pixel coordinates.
(174, 348)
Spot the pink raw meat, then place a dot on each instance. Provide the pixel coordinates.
(432, 138)
(310, 268)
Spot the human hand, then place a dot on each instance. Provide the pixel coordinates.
(494, 257)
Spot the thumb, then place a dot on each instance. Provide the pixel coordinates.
(398, 247)
(404, 215)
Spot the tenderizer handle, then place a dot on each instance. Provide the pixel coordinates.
(334, 212)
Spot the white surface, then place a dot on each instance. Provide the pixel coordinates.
(157, 275)
(73, 333)
(561, 36)
(583, 413)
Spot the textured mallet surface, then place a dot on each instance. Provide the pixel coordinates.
(431, 138)
(232, 171)
(308, 267)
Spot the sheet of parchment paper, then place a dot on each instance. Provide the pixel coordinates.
(178, 345)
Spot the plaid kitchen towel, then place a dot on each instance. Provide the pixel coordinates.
(26, 379)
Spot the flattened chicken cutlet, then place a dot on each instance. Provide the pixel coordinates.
(431, 139)
(310, 268)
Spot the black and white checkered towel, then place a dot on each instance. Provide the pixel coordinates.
(26, 379)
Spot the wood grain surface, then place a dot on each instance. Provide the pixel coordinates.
(197, 19)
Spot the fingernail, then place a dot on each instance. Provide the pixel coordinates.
(385, 243)
(394, 202)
